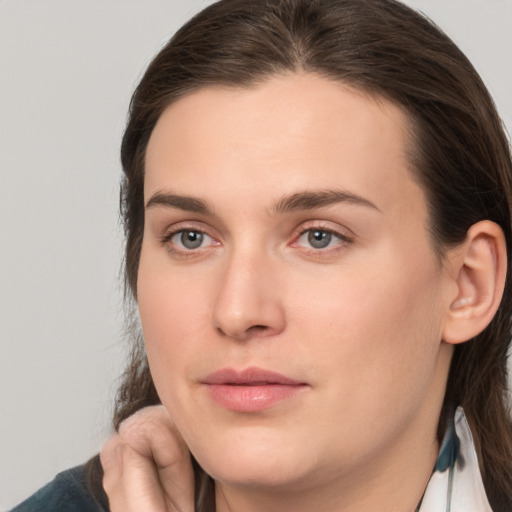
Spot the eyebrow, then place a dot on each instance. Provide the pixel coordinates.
(185, 203)
(307, 200)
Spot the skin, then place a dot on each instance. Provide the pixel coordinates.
(146, 465)
(359, 321)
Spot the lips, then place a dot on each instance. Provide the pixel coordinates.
(250, 390)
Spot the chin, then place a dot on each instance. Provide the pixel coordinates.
(255, 464)
(245, 474)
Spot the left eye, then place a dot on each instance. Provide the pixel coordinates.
(190, 239)
(319, 238)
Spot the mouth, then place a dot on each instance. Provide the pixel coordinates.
(250, 390)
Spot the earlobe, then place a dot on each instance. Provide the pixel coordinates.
(480, 280)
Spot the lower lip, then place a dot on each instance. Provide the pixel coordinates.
(252, 398)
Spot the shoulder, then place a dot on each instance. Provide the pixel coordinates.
(68, 492)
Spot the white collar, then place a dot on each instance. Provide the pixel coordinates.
(456, 483)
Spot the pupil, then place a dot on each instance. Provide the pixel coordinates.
(191, 239)
(319, 239)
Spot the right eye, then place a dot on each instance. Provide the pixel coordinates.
(189, 239)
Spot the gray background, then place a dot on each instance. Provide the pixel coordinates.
(67, 69)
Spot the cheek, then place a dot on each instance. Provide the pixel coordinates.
(172, 300)
(174, 315)
(372, 297)
(377, 333)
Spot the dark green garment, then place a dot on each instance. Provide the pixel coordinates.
(68, 492)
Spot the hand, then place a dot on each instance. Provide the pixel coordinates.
(147, 465)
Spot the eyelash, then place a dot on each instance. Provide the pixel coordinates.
(184, 252)
(343, 240)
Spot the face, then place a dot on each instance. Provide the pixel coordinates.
(290, 298)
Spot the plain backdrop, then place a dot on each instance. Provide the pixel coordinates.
(67, 70)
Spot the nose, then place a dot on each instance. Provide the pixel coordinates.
(249, 304)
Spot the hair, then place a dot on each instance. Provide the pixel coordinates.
(460, 155)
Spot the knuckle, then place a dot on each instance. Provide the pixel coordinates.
(110, 452)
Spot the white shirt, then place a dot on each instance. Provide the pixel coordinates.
(456, 483)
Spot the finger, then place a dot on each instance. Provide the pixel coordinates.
(112, 463)
(147, 465)
(141, 486)
(131, 480)
(152, 434)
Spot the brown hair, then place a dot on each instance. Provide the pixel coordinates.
(461, 157)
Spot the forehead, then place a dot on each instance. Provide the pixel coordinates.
(290, 132)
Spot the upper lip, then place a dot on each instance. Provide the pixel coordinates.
(249, 377)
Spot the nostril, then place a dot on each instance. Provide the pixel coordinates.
(253, 331)
(256, 329)
(259, 327)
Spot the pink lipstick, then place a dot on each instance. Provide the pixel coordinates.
(250, 390)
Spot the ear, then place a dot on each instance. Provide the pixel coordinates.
(479, 268)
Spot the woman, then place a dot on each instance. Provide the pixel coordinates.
(317, 203)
